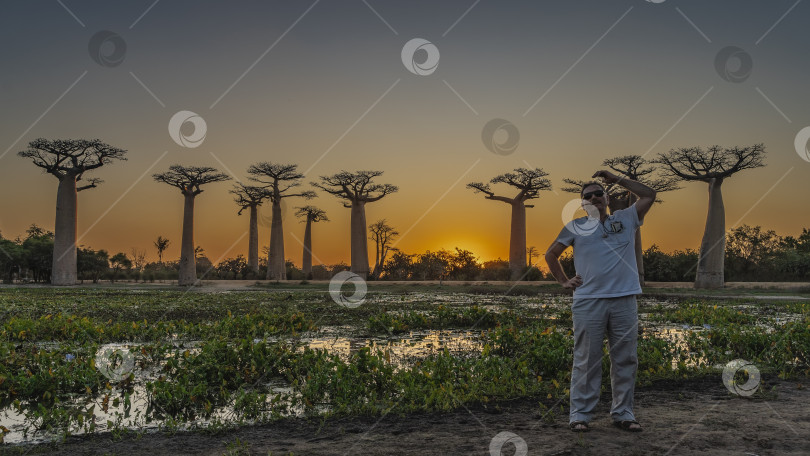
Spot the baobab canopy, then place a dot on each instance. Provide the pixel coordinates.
(357, 188)
(711, 166)
(68, 160)
(189, 179)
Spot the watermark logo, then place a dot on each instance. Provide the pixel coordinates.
(265, 215)
(421, 46)
(185, 139)
(738, 368)
(733, 64)
(360, 288)
(500, 136)
(656, 1)
(500, 440)
(582, 226)
(107, 48)
(801, 143)
(115, 363)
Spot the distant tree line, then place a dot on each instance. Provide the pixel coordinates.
(752, 254)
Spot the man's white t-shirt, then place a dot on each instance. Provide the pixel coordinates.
(604, 254)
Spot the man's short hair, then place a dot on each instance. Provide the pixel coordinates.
(588, 184)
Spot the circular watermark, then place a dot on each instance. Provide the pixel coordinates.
(582, 226)
(498, 442)
(360, 288)
(409, 57)
(801, 143)
(265, 215)
(733, 64)
(187, 139)
(107, 48)
(741, 367)
(500, 136)
(115, 363)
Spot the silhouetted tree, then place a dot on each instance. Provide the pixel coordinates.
(529, 183)
(119, 261)
(38, 252)
(68, 160)
(382, 234)
(189, 179)
(92, 264)
(310, 214)
(358, 189)
(278, 180)
(138, 258)
(161, 244)
(711, 166)
(251, 197)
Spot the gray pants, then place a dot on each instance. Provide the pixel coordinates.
(592, 317)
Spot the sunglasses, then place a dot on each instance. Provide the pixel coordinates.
(597, 193)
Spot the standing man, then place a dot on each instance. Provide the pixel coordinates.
(605, 288)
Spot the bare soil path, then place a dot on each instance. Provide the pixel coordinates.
(697, 417)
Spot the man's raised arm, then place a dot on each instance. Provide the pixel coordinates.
(646, 195)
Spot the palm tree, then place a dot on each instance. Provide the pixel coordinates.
(161, 244)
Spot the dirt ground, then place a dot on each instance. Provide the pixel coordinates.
(697, 417)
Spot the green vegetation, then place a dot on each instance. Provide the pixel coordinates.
(217, 360)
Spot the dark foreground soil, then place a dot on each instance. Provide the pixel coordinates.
(695, 417)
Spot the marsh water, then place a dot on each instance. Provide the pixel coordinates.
(402, 350)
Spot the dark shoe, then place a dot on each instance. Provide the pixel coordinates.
(579, 426)
(628, 425)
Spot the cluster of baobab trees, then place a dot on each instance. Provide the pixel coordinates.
(69, 160)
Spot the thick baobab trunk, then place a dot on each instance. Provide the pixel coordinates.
(63, 271)
(188, 259)
(253, 240)
(276, 268)
(306, 262)
(517, 241)
(639, 258)
(713, 245)
(638, 246)
(359, 241)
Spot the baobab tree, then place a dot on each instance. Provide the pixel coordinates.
(637, 168)
(529, 183)
(189, 179)
(712, 166)
(382, 234)
(278, 180)
(251, 197)
(357, 189)
(310, 214)
(68, 160)
(161, 244)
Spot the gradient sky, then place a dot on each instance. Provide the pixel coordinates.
(322, 84)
